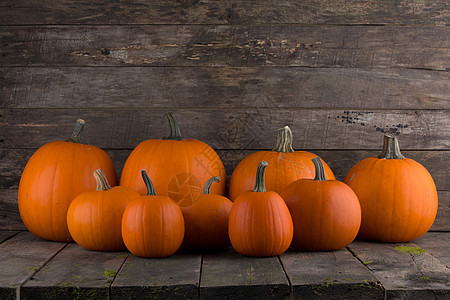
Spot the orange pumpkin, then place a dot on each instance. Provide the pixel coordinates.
(180, 165)
(286, 166)
(398, 196)
(94, 218)
(206, 221)
(55, 174)
(152, 226)
(326, 213)
(260, 223)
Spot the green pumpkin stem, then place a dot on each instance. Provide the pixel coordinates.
(174, 131)
(78, 132)
(148, 184)
(208, 184)
(102, 182)
(284, 140)
(259, 183)
(391, 149)
(320, 171)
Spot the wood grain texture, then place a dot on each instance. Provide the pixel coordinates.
(329, 275)
(75, 273)
(21, 257)
(223, 88)
(223, 12)
(218, 46)
(175, 277)
(229, 275)
(340, 161)
(7, 234)
(405, 275)
(231, 129)
(437, 244)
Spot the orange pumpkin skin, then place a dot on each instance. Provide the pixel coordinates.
(206, 223)
(94, 218)
(180, 165)
(326, 214)
(55, 174)
(398, 198)
(260, 224)
(153, 226)
(285, 167)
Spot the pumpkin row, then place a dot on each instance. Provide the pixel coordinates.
(396, 195)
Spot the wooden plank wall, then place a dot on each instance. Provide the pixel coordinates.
(339, 73)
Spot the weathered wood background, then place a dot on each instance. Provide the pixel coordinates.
(340, 73)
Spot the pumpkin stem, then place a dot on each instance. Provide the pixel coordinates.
(391, 149)
(320, 171)
(208, 184)
(174, 131)
(284, 140)
(148, 184)
(78, 132)
(260, 184)
(102, 182)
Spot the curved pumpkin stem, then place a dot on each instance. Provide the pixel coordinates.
(391, 149)
(102, 182)
(174, 131)
(260, 185)
(208, 184)
(320, 171)
(284, 140)
(148, 184)
(78, 132)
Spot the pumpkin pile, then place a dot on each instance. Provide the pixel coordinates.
(172, 195)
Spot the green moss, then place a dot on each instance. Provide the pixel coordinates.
(109, 273)
(34, 268)
(410, 250)
(122, 256)
(367, 262)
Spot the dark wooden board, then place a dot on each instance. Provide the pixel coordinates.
(236, 46)
(340, 161)
(229, 275)
(223, 88)
(437, 244)
(21, 257)
(75, 273)
(252, 128)
(7, 234)
(405, 275)
(329, 275)
(222, 12)
(175, 277)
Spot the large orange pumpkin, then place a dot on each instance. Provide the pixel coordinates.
(206, 221)
(260, 223)
(326, 213)
(180, 165)
(286, 166)
(55, 174)
(94, 218)
(152, 226)
(398, 196)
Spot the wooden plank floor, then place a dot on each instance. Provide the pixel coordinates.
(36, 269)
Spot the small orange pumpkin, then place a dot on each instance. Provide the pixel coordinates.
(260, 223)
(326, 213)
(152, 226)
(180, 165)
(55, 174)
(94, 218)
(206, 221)
(286, 166)
(398, 196)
